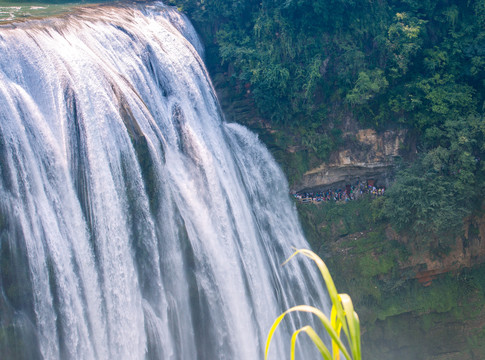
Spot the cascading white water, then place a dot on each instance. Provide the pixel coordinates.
(134, 222)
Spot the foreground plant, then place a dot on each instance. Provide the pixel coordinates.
(342, 316)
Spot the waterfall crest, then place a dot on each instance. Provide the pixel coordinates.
(134, 222)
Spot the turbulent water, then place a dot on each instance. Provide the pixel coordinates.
(134, 222)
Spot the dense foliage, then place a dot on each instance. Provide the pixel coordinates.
(445, 184)
(418, 65)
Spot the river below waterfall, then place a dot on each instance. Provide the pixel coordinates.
(134, 222)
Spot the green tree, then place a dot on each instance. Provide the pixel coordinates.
(445, 184)
(368, 85)
(404, 40)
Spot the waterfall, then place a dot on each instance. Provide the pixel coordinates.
(134, 222)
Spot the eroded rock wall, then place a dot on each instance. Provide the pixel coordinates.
(366, 154)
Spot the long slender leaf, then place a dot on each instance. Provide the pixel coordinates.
(324, 320)
(332, 290)
(337, 325)
(316, 340)
(342, 316)
(353, 324)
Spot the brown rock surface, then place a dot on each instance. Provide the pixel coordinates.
(366, 155)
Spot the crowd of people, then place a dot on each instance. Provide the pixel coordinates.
(350, 192)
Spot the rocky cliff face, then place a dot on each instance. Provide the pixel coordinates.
(365, 155)
(466, 251)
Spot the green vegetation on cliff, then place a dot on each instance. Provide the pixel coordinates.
(418, 65)
(409, 62)
(445, 184)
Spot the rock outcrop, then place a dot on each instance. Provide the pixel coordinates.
(366, 155)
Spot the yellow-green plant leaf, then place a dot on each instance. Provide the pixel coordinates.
(316, 340)
(342, 316)
(353, 324)
(337, 325)
(324, 320)
(332, 290)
